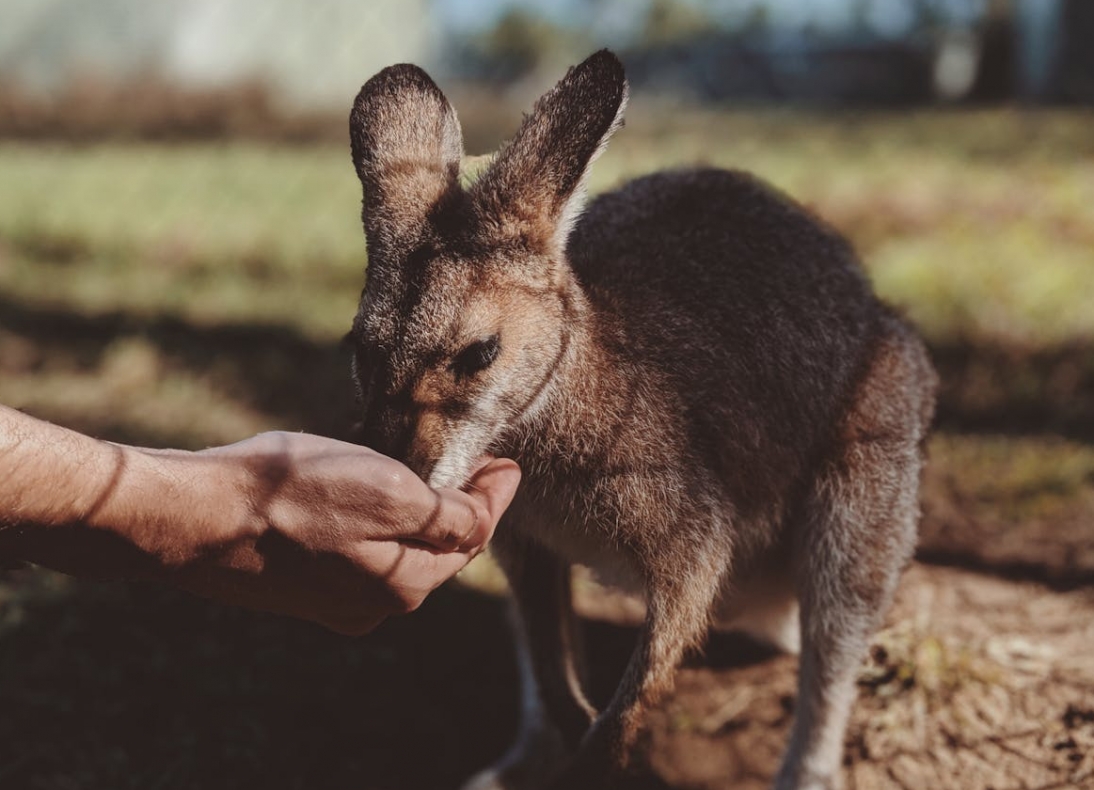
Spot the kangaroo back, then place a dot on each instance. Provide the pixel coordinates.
(756, 311)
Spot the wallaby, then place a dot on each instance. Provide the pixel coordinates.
(704, 395)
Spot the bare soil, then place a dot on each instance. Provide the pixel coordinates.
(978, 682)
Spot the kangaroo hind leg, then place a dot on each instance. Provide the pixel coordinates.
(857, 533)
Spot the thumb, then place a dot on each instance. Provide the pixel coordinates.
(491, 488)
(464, 521)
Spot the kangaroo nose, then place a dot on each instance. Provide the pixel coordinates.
(389, 431)
(420, 464)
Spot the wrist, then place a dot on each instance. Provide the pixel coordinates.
(56, 481)
(96, 509)
(177, 508)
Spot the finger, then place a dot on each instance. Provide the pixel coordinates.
(410, 572)
(463, 521)
(403, 508)
(492, 487)
(421, 569)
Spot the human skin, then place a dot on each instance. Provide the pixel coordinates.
(290, 523)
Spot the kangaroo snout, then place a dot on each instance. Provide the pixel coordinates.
(414, 436)
(441, 441)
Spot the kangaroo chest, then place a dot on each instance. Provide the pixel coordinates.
(577, 541)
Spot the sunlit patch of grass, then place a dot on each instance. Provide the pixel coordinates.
(133, 393)
(210, 233)
(291, 205)
(320, 300)
(979, 224)
(1009, 284)
(1016, 479)
(905, 660)
(484, 575)
(1016, 504)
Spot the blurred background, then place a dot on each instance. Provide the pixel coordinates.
(180, 254)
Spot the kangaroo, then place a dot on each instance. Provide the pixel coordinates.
(706, 399)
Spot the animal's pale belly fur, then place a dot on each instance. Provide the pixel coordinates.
(762, 605)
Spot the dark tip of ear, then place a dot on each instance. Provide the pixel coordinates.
(604, 65)
(401, 78)
(599, 80)
(395, 87)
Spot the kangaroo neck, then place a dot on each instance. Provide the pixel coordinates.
(585, 401)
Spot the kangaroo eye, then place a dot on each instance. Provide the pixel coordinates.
(476, 357)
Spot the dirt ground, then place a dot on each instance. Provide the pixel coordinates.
(979, 681)
(976, 682)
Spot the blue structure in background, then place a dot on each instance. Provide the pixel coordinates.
(853, 51)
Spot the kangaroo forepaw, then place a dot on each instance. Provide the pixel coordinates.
(803, 780)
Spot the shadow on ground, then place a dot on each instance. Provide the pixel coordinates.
(126, 686)
(300, 383)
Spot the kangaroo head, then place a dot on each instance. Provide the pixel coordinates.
(466, 310)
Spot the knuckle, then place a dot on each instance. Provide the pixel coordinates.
(395, 478)
(398, 483)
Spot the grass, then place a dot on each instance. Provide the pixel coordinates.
(212, 233)
(133, 378)
(904, 660)
(978, 224)
(1019, 479)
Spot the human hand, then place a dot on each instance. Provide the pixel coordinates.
(286, 522)
(337, 533)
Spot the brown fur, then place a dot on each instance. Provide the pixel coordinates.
(704, 395)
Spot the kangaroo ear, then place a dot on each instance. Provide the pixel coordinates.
(538, 180)
(406, 145)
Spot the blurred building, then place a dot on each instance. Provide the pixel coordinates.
(821, 51)
(313, 54)
(310, 55)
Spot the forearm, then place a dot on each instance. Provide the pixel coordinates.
(286, 522)
(91, 508)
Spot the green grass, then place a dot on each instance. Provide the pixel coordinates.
(213, 233)
(1017, 480)
(978, 224)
